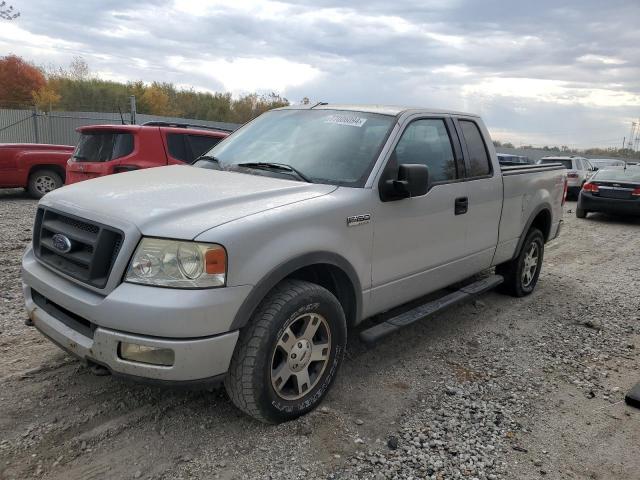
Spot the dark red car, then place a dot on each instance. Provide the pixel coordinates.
(39, 168)
(106, 149)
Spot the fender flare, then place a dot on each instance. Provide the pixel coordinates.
(542, 207)
(279, 273)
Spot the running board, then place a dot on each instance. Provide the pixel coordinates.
(375, 333)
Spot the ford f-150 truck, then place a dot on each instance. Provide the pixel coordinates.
(107, 149)
(253, 264)
(38, 168)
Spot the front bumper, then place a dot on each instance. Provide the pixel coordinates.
(593, 203)
(195, 324)
(196, 359)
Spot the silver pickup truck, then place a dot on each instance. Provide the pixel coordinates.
(251, 266)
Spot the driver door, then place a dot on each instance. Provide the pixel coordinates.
(419, 242)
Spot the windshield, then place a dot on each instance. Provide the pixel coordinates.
(618, 174)
(103, 146)
(325, 146)
(565, 163)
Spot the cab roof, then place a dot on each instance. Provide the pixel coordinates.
(394, 110)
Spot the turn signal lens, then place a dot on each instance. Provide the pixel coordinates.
(215, 261)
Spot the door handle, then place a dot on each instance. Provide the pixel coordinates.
(461, 205)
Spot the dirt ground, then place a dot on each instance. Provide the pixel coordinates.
(497, 388)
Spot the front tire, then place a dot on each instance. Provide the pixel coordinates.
(521, 274)
(289, 353)
(42, 182)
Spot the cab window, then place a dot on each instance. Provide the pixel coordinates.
(427, 142)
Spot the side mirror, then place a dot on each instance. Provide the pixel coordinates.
(412, 181)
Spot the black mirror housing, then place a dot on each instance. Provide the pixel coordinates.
(412, 181)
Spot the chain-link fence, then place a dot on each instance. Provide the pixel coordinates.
(31, 125)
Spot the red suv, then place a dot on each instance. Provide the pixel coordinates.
(106, 149)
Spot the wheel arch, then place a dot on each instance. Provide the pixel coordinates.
(48, 166)
(326, 269)
(541, 219)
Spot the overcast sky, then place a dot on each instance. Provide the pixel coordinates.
(541, 72)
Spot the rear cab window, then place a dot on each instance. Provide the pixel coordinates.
(479, 163)
(99, 146)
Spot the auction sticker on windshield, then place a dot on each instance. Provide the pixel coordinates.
(350, 120)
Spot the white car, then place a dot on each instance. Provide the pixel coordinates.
(579, 171)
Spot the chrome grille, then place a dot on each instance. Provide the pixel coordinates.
(94, 247)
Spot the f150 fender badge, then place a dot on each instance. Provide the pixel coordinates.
(355, 220)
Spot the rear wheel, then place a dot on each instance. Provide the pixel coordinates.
(581, 213)
(42, 182)
(521, 274)
(289, 353)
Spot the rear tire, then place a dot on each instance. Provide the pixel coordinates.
(42, 182)
(288, 354)
(521, 274)
(581, 213)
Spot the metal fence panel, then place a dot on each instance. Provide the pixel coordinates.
(58, 127)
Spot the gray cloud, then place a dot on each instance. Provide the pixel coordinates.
(535, 70)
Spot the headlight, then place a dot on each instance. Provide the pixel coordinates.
(173, 263)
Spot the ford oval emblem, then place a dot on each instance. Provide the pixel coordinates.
(61, 243)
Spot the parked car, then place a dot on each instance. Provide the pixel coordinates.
(106, 149)
(614, 190)
(606, 162)
(249, 266)
(579, 171)
(38, 168)
(508, 159)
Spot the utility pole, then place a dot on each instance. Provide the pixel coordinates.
(632, 135)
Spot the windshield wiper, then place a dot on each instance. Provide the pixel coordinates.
(276, 166)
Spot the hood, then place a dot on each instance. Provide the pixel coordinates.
(179, 201)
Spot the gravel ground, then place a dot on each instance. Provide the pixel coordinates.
(500, 388)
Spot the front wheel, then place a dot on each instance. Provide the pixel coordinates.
(289, 353)
(521, 274)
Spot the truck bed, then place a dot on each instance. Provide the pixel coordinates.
(526, 189)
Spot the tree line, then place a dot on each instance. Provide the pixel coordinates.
(611, 152)
(74, 88)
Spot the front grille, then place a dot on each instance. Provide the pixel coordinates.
(94, 247)
(70, 319)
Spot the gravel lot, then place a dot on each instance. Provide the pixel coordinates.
(498, 388)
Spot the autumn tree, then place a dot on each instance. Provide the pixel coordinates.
(46, 97)
(18, 81)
